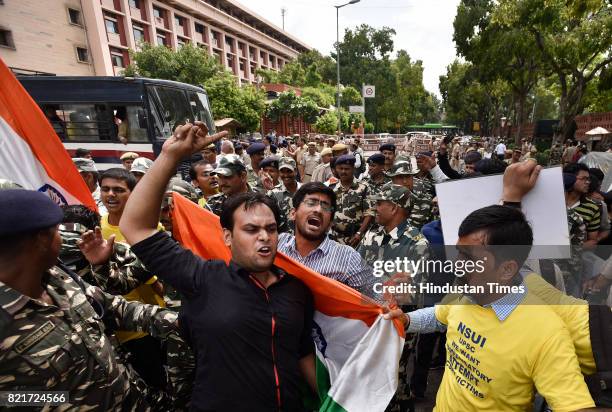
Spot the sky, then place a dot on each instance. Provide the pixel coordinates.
(424, 28)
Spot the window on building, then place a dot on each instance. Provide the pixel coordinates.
(157, 12)
(180, 43)
(111, 25)
(74, 16)
(82, 54)
(229, 42)
(6, 39)
(139, 34)
(134, 3)
(117, 58)
(161, 39)
(199, 29)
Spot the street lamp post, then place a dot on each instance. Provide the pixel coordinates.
(339, 93)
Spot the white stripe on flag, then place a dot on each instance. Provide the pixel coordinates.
(18, 164)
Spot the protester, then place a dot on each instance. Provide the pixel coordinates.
(258, 291)
(203, 178)
(577, 199)
(314, 205)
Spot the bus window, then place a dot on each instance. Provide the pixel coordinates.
(131, 124)
(51, 113)
(175, 108)
(201, 109)
(84, 122)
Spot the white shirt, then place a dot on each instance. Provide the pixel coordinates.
(500, 149)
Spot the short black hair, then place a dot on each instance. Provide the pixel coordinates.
(594, 183)
(574, 168)
(506, 227)
(490, 166)
(192, 168)
(82, 215)
(119, 173)
(81, 152)
(311, 188)
(249, 200)
(597, 173)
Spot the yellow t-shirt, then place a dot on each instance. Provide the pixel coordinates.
(495, 365)
(573, 312)
(143, 293)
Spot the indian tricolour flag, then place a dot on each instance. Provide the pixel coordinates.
(31, 154)
(357, 350)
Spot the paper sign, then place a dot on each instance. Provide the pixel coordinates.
(544, 207)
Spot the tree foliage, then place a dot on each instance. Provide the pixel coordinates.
(294, 106)
(192, 65)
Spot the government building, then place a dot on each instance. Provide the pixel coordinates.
(93, 37)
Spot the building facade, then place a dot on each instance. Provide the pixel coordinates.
(93, 37)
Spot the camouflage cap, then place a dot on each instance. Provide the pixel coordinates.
(8, 184)
(183, 188)
(287, 163)
(401, 168)
(84, 165)
(141, 165)
(397, 194)
(229, 165)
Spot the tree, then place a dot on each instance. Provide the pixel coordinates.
(497, 52)
(291, 105)
(192, 65)
(319, 96)
(327, 124)
(574, 39)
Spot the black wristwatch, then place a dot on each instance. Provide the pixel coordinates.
(516, 205)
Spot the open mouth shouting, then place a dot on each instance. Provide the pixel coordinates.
(265, 251)
(314, 222)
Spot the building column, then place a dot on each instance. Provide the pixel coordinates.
(96, 38)
(208, 35)
(127, 25)
(173, 39)
(152, 28)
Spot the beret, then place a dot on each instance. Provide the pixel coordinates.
(129, 155)
(256, 148)
(377, 158)
(271, 161)
(347, 159)
(26, 210)
(387, 146)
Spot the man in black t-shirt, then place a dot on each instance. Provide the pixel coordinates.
(248, 321)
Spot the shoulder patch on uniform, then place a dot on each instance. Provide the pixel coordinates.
(34, 337)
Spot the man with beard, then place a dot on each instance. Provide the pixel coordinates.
(232, 177)
(203, 178)
(248, 306)
(314, 205)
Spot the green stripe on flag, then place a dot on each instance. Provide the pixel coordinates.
(323, 386)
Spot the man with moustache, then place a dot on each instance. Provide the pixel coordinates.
(203, 178)
(232, 177)
(248, 306)
(314, 205)
(283, 193)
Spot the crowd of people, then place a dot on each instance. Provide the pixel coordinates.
(108, 306)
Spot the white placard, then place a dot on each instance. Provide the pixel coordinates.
(544, 207)
(356, 109)
(369, 91)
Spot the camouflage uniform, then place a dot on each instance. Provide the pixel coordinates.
(215, 202)
(422, 203)
(123, 272)
(425, 185)
(254, 180)
(63, 347)
(284, 201)
(375, 187)
(404, 241)
(353, 204)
